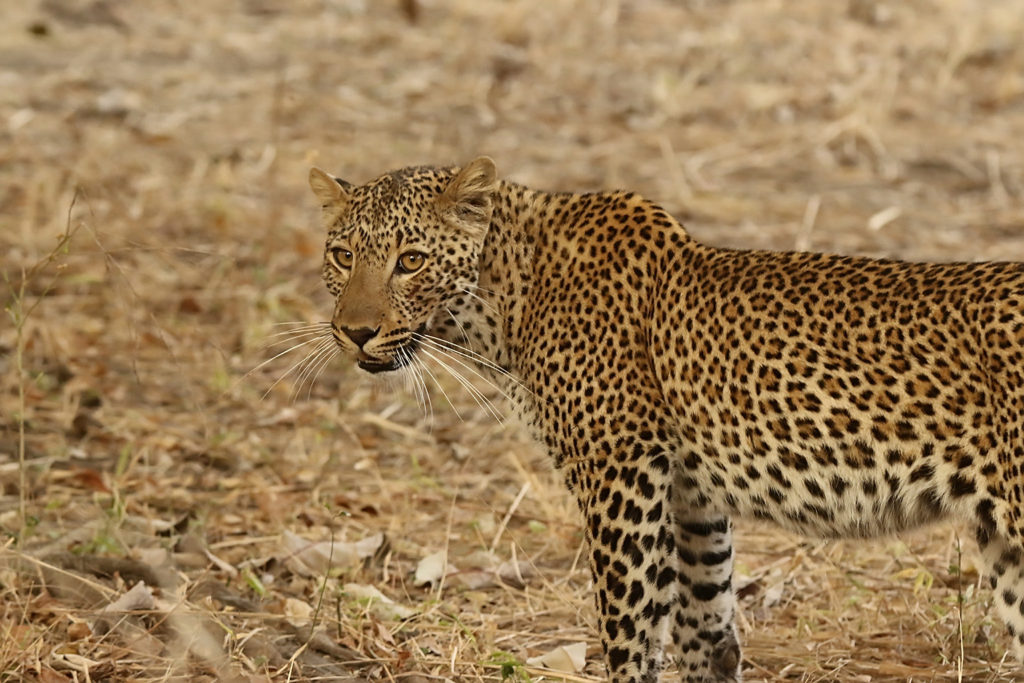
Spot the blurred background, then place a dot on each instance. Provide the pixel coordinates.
(157, 237)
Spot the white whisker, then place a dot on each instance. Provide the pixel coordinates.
(485, 302)
(443, 392)
(417, 368)
(300, 324)
(312, 363)
(323, 365)
(312, 327)
(316, 350)
(462, 329)
(417, 386)
(445, 352)
(306, 364)
(482, 289)
(273, 358)
(403, 357)
(477, 395)
(444, 344)
(293, 337)
(447, 347)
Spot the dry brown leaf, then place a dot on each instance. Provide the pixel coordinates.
(91, 479)
(154, 557)
(475, 579)
(139, 597)
(79, 630)
(516, 574)
(311, 558)
(384, 634)
(568, 658)
(72, 662)
(297, 612)
(223, 565)
(431, 568)
(136, 641)
(378, 603)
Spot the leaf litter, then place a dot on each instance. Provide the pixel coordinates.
(160, 457)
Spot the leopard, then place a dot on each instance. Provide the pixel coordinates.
(679, 386)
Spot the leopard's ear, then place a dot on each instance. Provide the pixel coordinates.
(332, 192)
(469, 196)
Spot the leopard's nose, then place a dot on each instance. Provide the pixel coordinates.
(360, 335)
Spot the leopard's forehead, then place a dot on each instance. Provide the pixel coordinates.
(395, 207)
(400, 192)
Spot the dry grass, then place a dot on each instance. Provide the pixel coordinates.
(884, 128)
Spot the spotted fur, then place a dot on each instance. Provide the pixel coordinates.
(677, 385)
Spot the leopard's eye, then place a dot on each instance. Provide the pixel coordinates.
(411, 261)
(341, 258)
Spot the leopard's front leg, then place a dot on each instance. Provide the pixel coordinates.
(661, 572)
(625, 500)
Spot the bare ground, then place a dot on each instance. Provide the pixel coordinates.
(143, 445)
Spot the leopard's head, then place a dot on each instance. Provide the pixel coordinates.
(398, 249)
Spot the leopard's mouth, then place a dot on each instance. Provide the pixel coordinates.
(374, 366)
(400, 356)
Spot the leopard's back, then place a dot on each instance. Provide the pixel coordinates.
(844, 396)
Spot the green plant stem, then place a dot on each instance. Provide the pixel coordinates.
(20, 314)
(19, 363)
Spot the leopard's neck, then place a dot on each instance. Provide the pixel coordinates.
(492, 312)
(530, 236)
